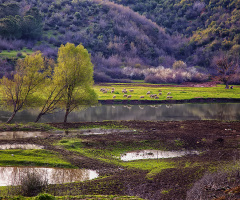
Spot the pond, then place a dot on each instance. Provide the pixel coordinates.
(96, 131)
(163, 112)
(154, 154)
(20, 146)
(10, 135)
(13, 175)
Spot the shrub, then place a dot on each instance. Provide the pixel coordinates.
(179, 65)
(135, 73)
(32, 183)
(19, 54)
(167, 75)
(45, 196)
(101, 77)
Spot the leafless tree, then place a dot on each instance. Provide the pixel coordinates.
(227, 68)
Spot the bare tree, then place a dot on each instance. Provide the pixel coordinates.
(226, 68)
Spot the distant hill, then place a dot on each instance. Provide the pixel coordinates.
(210, 25)
(123, 33)
(115, 35)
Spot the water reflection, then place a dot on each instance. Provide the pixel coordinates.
(9, 135)
(154, 154)
(138, 112)
(97, 131)
(20, 146)
(12, 175)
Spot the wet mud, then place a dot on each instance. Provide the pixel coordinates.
(220, 141)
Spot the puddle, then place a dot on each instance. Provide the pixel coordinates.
(9, 135)
(154, 154)
(12, 175)
(97, 131)
(20, 146)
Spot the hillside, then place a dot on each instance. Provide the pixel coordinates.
(210, 25)
(123, 33)
(115, 36)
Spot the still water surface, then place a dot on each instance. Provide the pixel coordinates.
(20, 146)
(12, 175)
(10, 135)
(155, 154)
(163, 112)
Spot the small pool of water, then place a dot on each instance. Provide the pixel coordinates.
(9, 135)
(20, 146)
(12, 175)
(154, 154)
(97, 131)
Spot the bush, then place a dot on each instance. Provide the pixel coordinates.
(167, 75)
(101, 77)
(45, 196)
(179, 65)
(32, 183)
(19, 54)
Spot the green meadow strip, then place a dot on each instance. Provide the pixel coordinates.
(177, 93)
(112, 155)
(38, 157)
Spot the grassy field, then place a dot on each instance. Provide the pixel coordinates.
(14, 54)
(19, 157)
(177, 93)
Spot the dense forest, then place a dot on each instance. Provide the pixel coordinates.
(125, 35)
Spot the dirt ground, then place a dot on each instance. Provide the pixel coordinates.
(219, 139)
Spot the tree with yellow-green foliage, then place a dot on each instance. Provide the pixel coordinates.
(179, 65)
(74, 73)
(29, 76)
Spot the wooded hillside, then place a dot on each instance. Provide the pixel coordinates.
(138, 34)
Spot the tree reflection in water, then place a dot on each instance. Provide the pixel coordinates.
(13, 175)
(167, 112)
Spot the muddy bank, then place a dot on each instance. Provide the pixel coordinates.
(219, 141)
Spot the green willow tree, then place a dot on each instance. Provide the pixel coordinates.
(29, 76)
(74, 73)
(52, 94)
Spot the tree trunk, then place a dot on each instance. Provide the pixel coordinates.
(38, 117)
(66, 115)
(227, 86)
(12, 116)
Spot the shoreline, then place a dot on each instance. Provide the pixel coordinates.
(196, 100)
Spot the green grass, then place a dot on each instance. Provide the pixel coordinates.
(20, 157)
(111, 154)
(178, 93)
(13, 54)
(26, 127)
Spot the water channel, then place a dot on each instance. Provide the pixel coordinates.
(163, 112)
